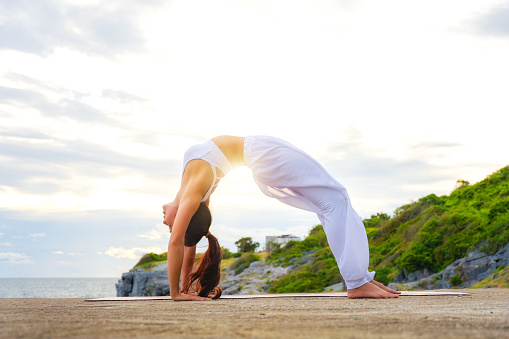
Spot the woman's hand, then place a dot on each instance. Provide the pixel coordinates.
(191, 293)
(169, 214)
(188, 297)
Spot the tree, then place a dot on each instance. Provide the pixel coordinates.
(375, 219)
(226, 253)
(461, 184)
(246, 244)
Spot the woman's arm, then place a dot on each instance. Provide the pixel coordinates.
(189, 258)
(187, 208)
(187, 263)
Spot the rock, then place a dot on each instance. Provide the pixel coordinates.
(476, 266)
(339, 287)
(144, 283)
(471, 269)
(403, 277)
(306, 259)
(155, 281)
(252, 280)
(294, 261)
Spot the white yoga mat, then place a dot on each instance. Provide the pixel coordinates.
(285, 295)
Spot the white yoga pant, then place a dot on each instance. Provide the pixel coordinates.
(288, 174)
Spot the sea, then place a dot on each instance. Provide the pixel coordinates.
(58, 287)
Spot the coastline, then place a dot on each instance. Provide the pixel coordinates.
(484, 313)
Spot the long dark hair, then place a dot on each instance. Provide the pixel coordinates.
(206, 277)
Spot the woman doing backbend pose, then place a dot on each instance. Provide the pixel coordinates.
(281, 171)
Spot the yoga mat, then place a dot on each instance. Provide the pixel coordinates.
(283, 295)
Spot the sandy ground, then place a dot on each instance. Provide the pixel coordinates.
(483, 314)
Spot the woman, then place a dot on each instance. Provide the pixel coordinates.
(281, 171)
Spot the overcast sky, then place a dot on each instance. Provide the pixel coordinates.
(100, 99)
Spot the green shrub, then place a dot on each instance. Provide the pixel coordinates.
(455, 281)
(382, 275)
(321, 273)
(227, 254)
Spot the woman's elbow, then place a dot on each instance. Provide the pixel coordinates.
(175, 242)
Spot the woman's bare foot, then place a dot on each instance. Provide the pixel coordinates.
(369, 290)
(383, 287)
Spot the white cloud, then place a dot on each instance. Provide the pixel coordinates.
(160, 231)
(405, 76)
(72, 254)
(75, 254)
(5, 244)
(91, 27)
(131, 253)
(14, 258)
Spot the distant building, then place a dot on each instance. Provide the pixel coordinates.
(278, 239)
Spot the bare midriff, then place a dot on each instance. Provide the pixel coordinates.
(232, 147)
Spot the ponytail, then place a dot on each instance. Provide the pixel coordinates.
(207, 275)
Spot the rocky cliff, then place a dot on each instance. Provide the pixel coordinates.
(141, 282)
(463, 272)
(257, 278)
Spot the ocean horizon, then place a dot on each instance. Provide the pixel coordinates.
(58, 287)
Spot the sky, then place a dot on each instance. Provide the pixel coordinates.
(100, 99)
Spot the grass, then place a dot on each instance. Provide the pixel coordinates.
(225, 263)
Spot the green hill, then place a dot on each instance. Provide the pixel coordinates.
(426, 234)
(434, 231)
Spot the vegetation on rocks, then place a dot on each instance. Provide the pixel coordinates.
(321, 272)
(429, 233)
(150, 260)
(434, 231)
(499, 278)
(243, 262)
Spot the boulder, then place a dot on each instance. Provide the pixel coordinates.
(144, 283)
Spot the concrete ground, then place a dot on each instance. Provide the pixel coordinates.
(483, 314)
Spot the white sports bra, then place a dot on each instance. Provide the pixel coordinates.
(209, 152)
